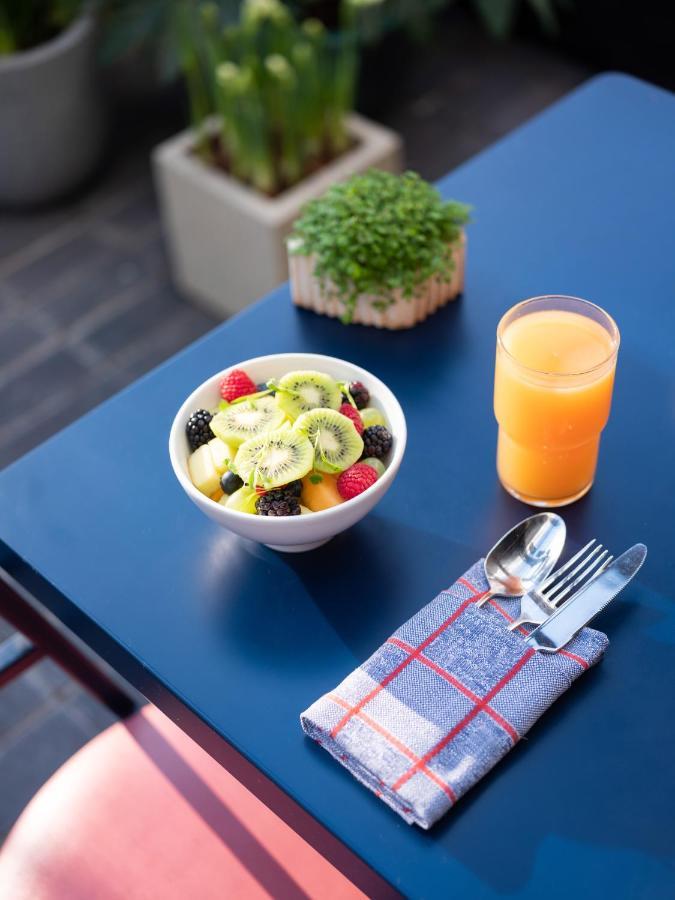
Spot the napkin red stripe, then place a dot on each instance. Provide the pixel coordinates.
(397, 744)
(399, 668)
(465, 721)
(462, 688)
(471, 587)
(582, 662)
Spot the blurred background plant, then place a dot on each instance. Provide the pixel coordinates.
(280, 77)
(280, 89)
(28, 23)
(500, 16)
(151, 24)
(416, 16)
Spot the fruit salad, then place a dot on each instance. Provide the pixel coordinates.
(292, 446)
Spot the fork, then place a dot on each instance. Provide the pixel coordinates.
(537, 605)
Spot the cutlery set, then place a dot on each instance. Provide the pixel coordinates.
(423, 674)
(521, 564)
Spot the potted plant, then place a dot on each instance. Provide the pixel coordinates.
(272, 128)
(379, 249)
(51, 129)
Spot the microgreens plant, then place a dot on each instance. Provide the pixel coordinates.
(381, 235)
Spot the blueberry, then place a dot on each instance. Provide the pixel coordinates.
(263, 387)
(230, 482)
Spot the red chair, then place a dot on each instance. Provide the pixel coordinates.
(142, 813)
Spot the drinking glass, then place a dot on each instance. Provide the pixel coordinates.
(554, 375)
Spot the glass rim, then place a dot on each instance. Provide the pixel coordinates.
(614, 335)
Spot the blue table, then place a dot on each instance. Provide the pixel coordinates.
(233, 640)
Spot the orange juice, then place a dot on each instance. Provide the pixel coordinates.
(553, 388)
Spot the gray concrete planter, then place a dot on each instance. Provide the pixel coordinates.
(51, 126)
(226, 241)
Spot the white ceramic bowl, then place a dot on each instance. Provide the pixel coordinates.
(297, 533)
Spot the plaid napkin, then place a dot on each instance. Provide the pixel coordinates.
(443, 700)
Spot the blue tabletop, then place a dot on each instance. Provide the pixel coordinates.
(579, 201)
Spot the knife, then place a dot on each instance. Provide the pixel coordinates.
(563, 624)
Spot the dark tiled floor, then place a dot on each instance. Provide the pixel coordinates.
(86, 306)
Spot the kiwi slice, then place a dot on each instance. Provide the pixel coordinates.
(242, 421)
(274, 458)
(336, 443)
(243, 500)
(298, 392)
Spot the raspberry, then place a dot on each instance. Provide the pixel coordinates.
(348, 410)
(236, 384)
(354, 480)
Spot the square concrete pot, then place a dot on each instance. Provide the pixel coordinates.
(308, 292)
(227, 242)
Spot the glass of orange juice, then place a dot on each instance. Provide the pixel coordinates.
(554, 375)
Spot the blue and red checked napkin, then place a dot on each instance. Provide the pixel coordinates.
(443, 699)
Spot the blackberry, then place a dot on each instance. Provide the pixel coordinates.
(293, 488)
(376, 441)
(277, 503)
(360, 394)
(197, 428)
(230, 483)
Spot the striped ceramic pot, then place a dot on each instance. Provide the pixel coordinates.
(308, 292)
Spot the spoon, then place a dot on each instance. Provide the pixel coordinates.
(524, 556)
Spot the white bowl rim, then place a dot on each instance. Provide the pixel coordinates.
(400, 439)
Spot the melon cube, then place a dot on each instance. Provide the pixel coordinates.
(319, 491)
(203, 473)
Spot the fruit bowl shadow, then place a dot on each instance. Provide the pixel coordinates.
(298, 533)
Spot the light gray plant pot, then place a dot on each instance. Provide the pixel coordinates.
(227, 242)
(51, 117)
